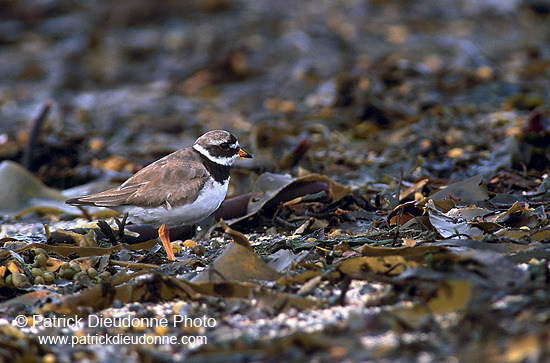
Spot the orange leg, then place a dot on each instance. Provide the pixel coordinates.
(164, 236)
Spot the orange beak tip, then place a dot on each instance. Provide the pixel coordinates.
(244, 154)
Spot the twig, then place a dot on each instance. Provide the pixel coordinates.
(121, 225)
(346, 282)
(108, 231)
(37, 124)
(85, 213)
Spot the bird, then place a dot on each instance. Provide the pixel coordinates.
(180, 189)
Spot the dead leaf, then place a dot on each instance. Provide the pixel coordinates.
(153, 286)
(53, 264)
(311, 224)
(450, 296)
(125, 288)
(524, 348)
(274, 302)
(66, 250)
(81, 240)
(541, 235)
(20, 190)
(237, 236)
(147, 245)
(468, 191)
(384, 265)
(520, 215)
(300, 278)
(284, 259)
(417, 187)
(449, 225)
(408, 242)
(404, 213)
(134, 265)
(271, 189)
(33, 298)
(416, 253)
(237, 263)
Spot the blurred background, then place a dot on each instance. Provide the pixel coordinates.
(356, 90)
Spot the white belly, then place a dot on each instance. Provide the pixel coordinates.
(207, 203)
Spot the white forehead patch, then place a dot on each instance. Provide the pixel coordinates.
(219, 160)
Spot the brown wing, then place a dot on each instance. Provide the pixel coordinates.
(176, 179)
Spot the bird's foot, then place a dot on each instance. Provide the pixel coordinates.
(164, 236)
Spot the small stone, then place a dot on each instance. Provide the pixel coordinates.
(104, 275)
(35, 272)
(41, 260)
(92, 272)
(49, 277)
(20, 281)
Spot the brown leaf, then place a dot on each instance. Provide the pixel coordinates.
(417, 187)
(20, 190)
(153, 286)
(450, 296)
(66, 250)
(384, 265)
(81, 240)
(467, 191)
(237, 236)
(237, 263)
(416, 253)
(272, 189)
(273, 301)
(300, 278)
(125, 288)
(403, 213)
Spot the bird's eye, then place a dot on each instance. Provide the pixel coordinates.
(224, 145)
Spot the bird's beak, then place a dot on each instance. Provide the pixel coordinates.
(244, 154)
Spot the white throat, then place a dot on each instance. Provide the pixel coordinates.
(218, 160)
